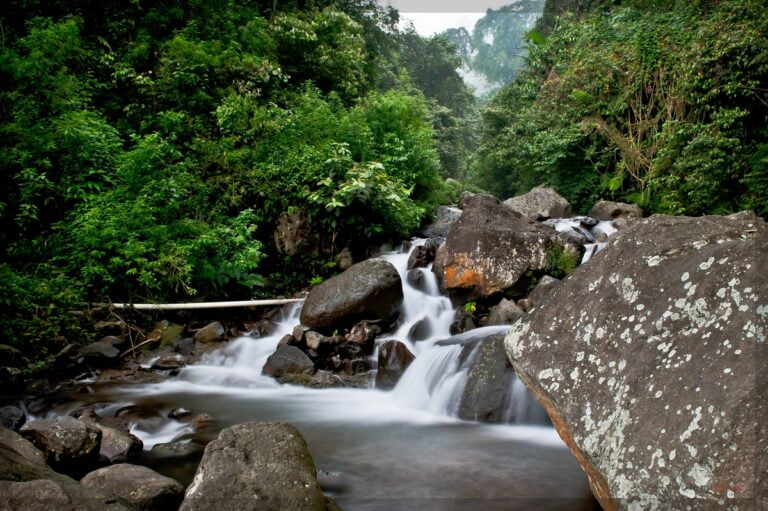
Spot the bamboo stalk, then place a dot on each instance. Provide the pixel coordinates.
(204, 305)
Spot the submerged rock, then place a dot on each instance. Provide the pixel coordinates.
(646, 364)
(394, 359)
(540, 204)
(137, 485)
(491, 247)
(370, 290)
(256, 466)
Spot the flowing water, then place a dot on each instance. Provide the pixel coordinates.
(376, 450)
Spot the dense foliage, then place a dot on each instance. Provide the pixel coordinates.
(148, 148)
(657, 103)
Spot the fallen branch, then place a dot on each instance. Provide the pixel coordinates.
(203, 305)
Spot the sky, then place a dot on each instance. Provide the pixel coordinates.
(430, 17)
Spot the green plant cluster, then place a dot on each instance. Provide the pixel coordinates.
(659, 103)
(148, 148)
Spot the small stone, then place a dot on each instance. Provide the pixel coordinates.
(12, 417)
(212, 332)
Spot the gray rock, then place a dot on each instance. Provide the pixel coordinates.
(487, 382)
(421, 330)
(118, 446)
(646, 364)
(445, 218)
(369, 290)
(256, 466)
(419, 258)
(137, 485)
(540, 204)
(364, 335)
(394, 359)
(100, 354)
(170, 361)
(12, 417)
(294, 234)
(211, 332)
(544, 286)
(288, 360)
(607, 210)
(505, 312)
(27, 483)
(69, 445)
(491, 247)
(313, 339)
(415, 278)
(525, 304)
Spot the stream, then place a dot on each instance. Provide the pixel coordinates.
(375, 450)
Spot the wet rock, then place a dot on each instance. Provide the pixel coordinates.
(544, 286)
(540, 204)
(179, 413)
(294, 234)
(137, 485)
(464, 322)
(178, 449)
(287, 340)
(213, 332)
(117, 342)
(364, 335)
(344, 259)
(299, 331)
(117, 446)
(369, 290)
(327, 380)
(421, 330)
(445, 219)
(268, 460)
(394, 359)
(100, 354)
(419, 258)
(169, 361)
(646, 364)
(415, 278)
(185, 347)
(487, 382)
(263, 327)
(313, 339)
(12, 417)
(14, 446)
(287, 360)
(505, 312)
(491, 247)
(607, 210)
(69, 445)
(203, 423)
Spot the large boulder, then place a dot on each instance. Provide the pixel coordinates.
(445, 218)
(540, 204)
(606, 210)
(27, 483)
(646, 364)
(256, 466)
(491, 247)
(69, 445)
(369, 290)
(394, 359)
(137, 485)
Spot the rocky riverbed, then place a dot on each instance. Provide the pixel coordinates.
(405, 387)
